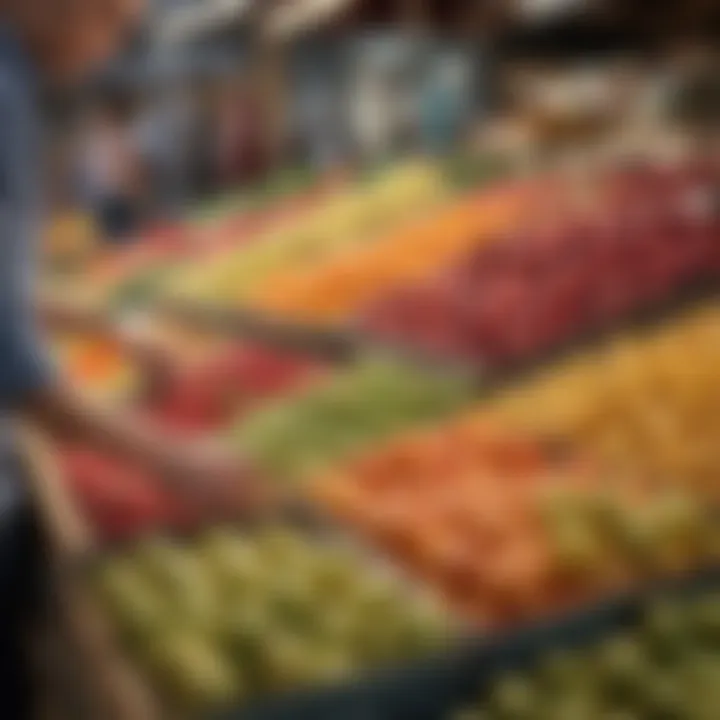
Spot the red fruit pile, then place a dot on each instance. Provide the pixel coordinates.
(658, 234)
(118, 498)
(215, 393)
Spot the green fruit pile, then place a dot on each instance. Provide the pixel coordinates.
(302, 434)
(668, 668)
(231, 616)
(627, 531)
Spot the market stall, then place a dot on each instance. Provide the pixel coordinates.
(484, 393)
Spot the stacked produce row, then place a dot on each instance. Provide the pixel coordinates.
(443, 513)
(209, 396)
(660, 663)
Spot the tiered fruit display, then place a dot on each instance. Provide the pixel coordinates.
(667, 666)
(352, 218)
(207, 396)
(119, 497)
(134, 273)
(227, 617)
(535, 290)
(306, 431)
(508, 533)
(338, 287)
(647, 403)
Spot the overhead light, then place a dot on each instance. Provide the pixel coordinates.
(191, 20)
(300, 15)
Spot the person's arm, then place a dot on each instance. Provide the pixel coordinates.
(205, 475)
(31, 388)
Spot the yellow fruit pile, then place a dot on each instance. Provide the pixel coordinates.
(349, 280)
(352, 218)
(648, 403)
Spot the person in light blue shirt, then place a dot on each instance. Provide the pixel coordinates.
(56, 41)
(444, 104)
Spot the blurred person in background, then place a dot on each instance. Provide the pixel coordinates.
(163, 133)
(320, 128)
(109, 170)
(241, 149)
(203, 178)
(56, 41)
(443, 105)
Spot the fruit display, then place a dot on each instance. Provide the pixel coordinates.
(353, 217)
(300, 434)
(666, 665)
(118, 498)
(98, 367)
(507, 532)
(646, 402)
(114, 275)
(655, 233)
(336, 288)
(226, 617)
(131, 274)
(217, 390)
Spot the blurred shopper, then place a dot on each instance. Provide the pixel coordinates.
(203, 177)
(444, 105)
(321, 128)
(241, 140)
(110, 171)
(58, 40)
(164, 132)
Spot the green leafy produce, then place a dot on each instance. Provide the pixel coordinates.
(304, 433)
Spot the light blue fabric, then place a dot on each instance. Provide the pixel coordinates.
(24, 363)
